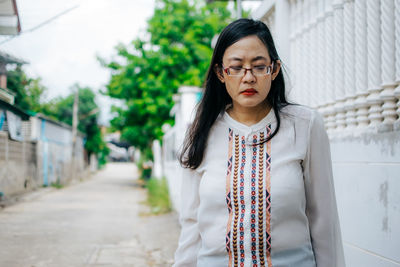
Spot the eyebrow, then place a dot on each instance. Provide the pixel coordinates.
(254, 59)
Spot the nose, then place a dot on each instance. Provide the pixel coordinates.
(249, 76)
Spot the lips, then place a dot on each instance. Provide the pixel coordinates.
(249, 92)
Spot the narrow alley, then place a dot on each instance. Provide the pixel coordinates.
(101, 221)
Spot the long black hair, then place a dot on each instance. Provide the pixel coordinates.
(216, 98)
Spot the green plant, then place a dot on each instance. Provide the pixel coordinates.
(30, 93)
(158, 196)
(145, 168)
(57, 185)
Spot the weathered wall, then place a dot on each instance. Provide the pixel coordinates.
(56, 163)
(367, 179)
(18, 167)
(44, 161)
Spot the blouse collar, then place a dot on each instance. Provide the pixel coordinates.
(268, 119)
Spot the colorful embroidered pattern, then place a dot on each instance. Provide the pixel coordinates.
(268, 198)
(253, 225)
(235, 202)
(253, 203)
(228, 197)
(261, 202)
(242, 203)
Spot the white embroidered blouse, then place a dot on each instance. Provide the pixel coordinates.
(268, 204)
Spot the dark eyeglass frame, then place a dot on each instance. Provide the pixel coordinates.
(242, 73)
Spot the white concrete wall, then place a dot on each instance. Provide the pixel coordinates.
(367, 179)
(172, 173)
(184, 111)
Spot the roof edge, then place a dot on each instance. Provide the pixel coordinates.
(16, 14)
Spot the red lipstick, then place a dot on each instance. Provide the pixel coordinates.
(249, 92)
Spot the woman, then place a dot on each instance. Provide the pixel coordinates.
(257, 187)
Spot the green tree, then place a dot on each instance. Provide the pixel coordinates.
(30, 95)
(61, 109)
(176, 51)
(29, 92)
(88, 109)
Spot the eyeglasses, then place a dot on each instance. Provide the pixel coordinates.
(260, 70)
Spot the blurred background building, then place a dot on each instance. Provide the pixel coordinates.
(9, 18)
(35, 150)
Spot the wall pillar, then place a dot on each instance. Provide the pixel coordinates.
(397, 56)
(360, 11)
(3, 76)
(349, 64)
(306, 52)
(329, 111)
(292, 92)
(157, 155)
(320, 55)
(339, 66)
(313, 47)
(374, 62)
(282, 14)
(299, 57)
(388, 66)
(301, 52)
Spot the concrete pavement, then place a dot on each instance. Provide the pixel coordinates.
(99, 222)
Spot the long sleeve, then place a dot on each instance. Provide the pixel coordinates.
(189, 241)
(321, 206)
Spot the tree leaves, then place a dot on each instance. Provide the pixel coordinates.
(175, 51)
(29, 92)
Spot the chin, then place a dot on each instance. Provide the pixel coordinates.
(251, 103)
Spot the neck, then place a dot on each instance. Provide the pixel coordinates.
(249, 116)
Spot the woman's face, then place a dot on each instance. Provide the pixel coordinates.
(247, 91)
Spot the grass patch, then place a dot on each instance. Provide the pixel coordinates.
(158, 196)
(57, 185)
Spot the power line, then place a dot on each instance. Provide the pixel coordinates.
(42, 24)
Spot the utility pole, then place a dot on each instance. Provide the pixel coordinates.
(74, 131)
(239, 9)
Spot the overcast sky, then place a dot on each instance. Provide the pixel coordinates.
(63, 51)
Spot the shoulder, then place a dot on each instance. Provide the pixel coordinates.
(302, 117)
(216, 144)
(220, 125)
(299, 112)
